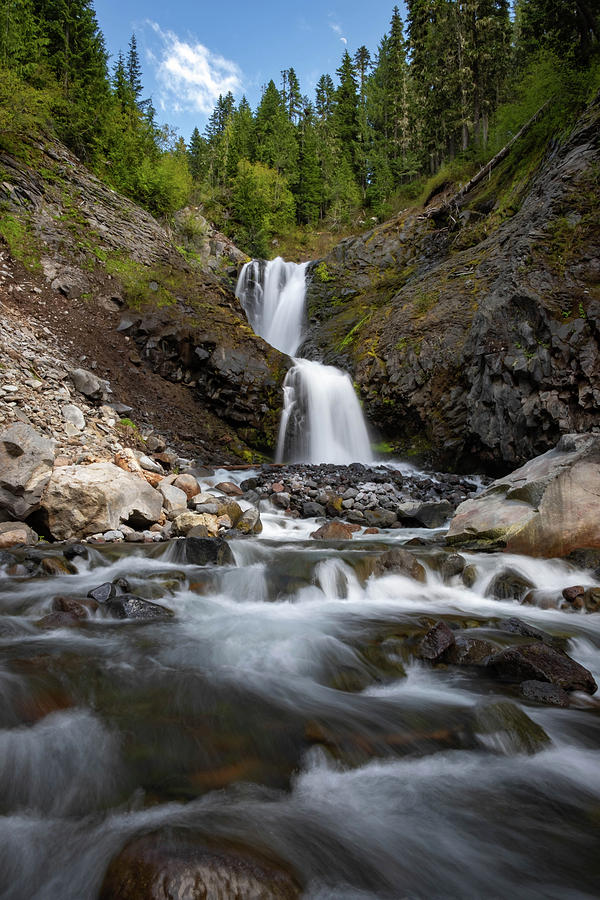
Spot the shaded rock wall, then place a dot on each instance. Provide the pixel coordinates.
(473, 330)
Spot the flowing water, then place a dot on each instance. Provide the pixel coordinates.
(283, 708)
(322, 421)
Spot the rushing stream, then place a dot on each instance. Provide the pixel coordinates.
(273, 711)
(283, 709)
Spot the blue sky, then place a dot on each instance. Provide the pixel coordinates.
(192, 51)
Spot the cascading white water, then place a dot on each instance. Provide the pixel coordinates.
(322, 421)
(272, 295)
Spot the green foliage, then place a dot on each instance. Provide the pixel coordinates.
(20, 242)
(322, 274)
(262, 203)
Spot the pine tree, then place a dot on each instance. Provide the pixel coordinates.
(276, 144)
(346, 110)
(308, 194)
(325, 98)
(134, 71)
(196, 154)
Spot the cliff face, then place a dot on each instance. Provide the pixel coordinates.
(169, 294)
(473, 329)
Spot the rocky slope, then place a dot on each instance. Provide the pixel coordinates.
(138, 301)
(472, 328)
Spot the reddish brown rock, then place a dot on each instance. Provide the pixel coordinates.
(333, 531)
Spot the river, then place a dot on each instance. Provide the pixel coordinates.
(284, 709)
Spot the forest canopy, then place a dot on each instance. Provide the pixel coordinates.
(438, 96)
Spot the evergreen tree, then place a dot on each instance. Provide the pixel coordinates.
(346, 110)
(196, 154)
(134, 71)
(276, 144)
(308, 194)
(325, 98)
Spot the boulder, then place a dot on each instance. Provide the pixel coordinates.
(508, 585)
(90, 385)
(539, 662)
(431, 514)
(333, 531)
(86, 500)
(156, 867)
(249, 522)
(202, 551)
(401, 562)
(26, 460)
(173, 497)
(183, 523)
(437, 640)
(229, 488)
(187, 484)
(128, 606)
(542, 692)
(549, 507)
(13, 533)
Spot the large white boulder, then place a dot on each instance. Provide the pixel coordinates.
(548, 507)
(26, 460)
(83, 500)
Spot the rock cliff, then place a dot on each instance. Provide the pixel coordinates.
(472, 328)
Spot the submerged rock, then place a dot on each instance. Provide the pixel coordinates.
(538, 662)
(400, 562)
(158, 867)
(505, 728)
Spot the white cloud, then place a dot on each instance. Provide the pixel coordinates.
(337, 29)
(189, 75)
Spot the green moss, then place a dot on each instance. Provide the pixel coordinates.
(128, 423)
(143, 285)
(353, 333)
(20, 242)
(322, 274)
(426, 300)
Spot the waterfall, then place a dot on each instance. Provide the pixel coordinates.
(322, 421)
(272, 296)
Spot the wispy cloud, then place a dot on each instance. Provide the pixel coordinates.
(337, 29)
(189, 75)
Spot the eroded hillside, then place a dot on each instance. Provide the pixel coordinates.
(158, 319)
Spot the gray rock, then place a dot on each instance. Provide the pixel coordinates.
(526, 512)
(90, 385)
(150, 465)
(173, 498)
(26, 461)
(73, 416)
(437, 640)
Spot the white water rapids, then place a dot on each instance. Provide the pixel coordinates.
(322, 421)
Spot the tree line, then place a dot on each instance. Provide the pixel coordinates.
(427, 94)
(55, 76)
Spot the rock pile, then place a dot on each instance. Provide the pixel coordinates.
(377, 497)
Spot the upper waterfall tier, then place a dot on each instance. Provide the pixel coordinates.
(273, 295)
